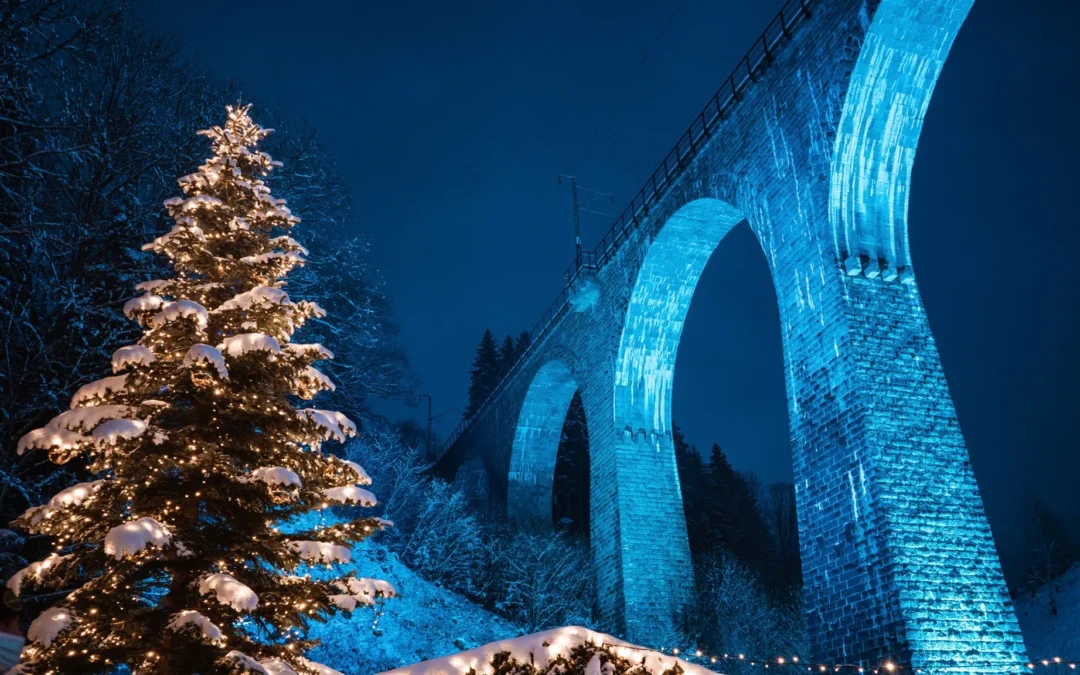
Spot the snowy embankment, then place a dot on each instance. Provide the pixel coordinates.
(1045, 634)
(573, 646)
(425, 621)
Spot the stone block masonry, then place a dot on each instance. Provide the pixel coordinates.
(815, 155)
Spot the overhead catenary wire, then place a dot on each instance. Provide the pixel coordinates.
(629, 83)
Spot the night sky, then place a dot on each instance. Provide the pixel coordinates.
(452, 119)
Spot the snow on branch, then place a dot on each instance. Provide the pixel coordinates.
(200, 353)
(363, 478)
(132, 538)
(50, 438)
(131, 355)
(311, 381)
(190, 617)
(229, 591)
(238, 345)
(147, 302)
(85, 419)
(177, 309)
(108, 433)
(319, 668)
(272, 475)
(35, 571)
(76, 495)
(259, 295)
(334, 424)
(242, 660)
(51, 623)
(99, 389)
(350, 494)
(320, 551)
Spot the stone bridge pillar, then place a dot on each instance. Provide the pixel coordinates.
(898, 559)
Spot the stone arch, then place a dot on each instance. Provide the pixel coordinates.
(633, 472)
(669, 273)
(904, 48)
(536, 442)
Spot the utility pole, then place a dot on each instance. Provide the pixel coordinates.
(430, 450)
(578, 209)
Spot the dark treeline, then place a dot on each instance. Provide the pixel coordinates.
(97, 119)
(493, 360)
(743, 535)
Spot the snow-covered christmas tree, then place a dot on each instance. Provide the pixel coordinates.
(175, 551)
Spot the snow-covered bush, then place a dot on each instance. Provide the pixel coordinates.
(735, 615)
(571, 650)
(434, 532)
(540, 579)
(536, 579)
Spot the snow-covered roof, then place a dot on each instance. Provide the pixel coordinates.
(540, 648)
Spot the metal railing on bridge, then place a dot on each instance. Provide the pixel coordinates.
(748, 70)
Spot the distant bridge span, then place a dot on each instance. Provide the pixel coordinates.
(811, 141)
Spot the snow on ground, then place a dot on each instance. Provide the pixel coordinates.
(425, 621)
(540, 648)
(1047, 635)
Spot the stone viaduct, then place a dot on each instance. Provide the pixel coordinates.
(811, 142)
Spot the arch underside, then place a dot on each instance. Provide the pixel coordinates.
(645, 371)
(536, 443)
(899, 63)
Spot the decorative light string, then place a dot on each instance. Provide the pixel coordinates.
(884, 667)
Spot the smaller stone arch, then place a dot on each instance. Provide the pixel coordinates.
(536, 442)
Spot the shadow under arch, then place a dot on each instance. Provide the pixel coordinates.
(536, 443)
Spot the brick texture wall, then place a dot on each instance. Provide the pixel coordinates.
(898, 557)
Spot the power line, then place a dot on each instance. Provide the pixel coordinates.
(629, 82)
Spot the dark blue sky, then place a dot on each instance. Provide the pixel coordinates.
(451, 120)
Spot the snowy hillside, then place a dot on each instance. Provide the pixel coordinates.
(423, 622)
(1047, 635)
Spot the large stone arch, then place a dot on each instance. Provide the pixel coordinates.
(536, 442)
(665, 284)
(903, 50)
(645, 580)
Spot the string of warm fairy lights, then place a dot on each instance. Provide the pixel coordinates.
(794, 662)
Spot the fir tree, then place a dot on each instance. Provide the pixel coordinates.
(485, 373)
(570, 492)
(735, 517)
(692, 480)
(522, 343)
(508, 355)
(200, 455)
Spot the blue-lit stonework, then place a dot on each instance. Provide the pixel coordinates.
(816, 157)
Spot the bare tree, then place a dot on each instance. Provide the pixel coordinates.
(542, 580)
(734, 614)
(1052, 552)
